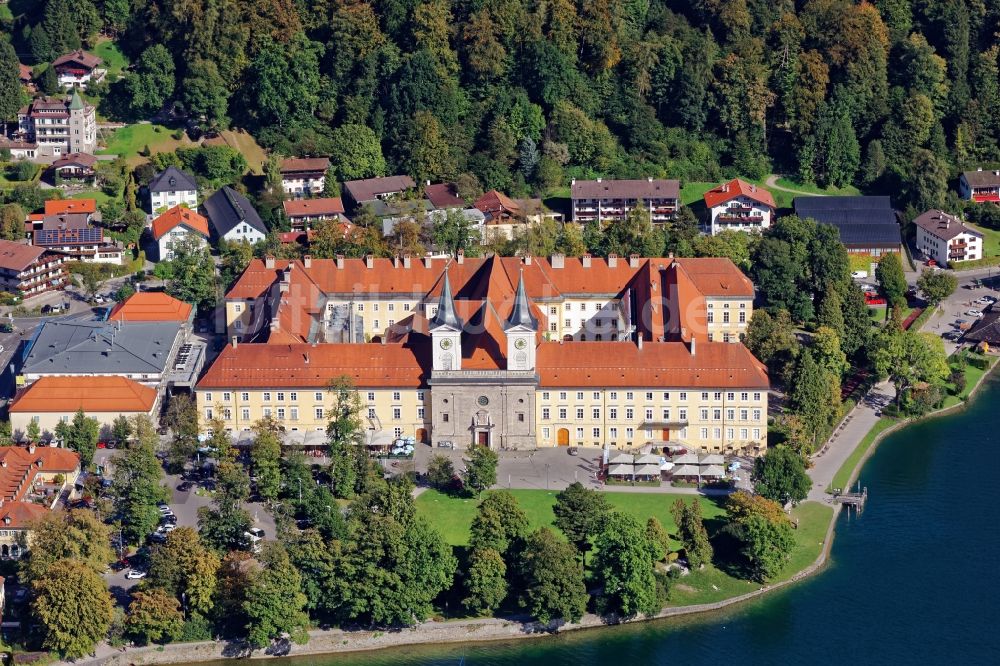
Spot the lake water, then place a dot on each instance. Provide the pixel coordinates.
(914, 579)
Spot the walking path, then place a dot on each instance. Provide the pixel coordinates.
(772, 182)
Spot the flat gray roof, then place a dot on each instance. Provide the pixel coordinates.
(89, 347)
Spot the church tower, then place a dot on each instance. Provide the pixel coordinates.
(520, 329)
(446, 332)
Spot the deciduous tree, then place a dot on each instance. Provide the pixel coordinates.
(580, 514)
(274, 603)
(154, 615)
(73, 608)
(553, 583)
(780, 475)
(480, 468)
(624, 565)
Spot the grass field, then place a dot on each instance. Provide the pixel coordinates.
(129, 141)
(694, 191)
(246, 145)
(6, 183)
(98, 195)
(991, 240)
(972, 377)
(452, 516)
(114, 60)
(710, 584)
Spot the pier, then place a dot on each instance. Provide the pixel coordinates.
(855, 499)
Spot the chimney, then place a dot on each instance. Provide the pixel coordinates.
(340, 261)
(369, 261)
(572, 181)
(638, 341)
(460, 257)
(269, 262)
(633, 261)
(649, 179)
(307, 261)
(527, 260)
(31, 448)
(670, 256)
(406, 261)
(585, 260)
(599, 180)
(395, 261)
(557, 260)
(427, 183)
(612, 260)
(691, 345)
(305, 358)
(979, 168)
(428, 261)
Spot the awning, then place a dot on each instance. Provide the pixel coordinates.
(712, 459)
(647, 470)
(621, 459)
(620, 470)
(686, 459)
(686, 470)
(713, 471)
(648, 459)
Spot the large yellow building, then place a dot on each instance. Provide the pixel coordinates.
(507, 352)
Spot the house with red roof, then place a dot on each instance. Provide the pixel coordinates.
(304, 176)
(78, 68)
(303, 214)
(53, 399)
(739, 206)
(179, 226)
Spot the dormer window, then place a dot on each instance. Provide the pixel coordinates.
(6, 520)
(172, 181)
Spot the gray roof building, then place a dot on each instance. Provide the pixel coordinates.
(227, 208)
(173, 179)
(138, 350)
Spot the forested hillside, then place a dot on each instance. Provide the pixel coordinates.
(893, 96)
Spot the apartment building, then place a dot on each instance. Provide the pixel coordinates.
(513, 353)
(172, 187)
(605, 200)
(304, 176)
(29, 270)
(59, 126)
(945, 238)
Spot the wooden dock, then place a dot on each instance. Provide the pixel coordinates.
(856, 499)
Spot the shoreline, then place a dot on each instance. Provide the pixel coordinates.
(480, 630)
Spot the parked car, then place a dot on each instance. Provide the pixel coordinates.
(973, 313)
(185, 486)
(135, 574)
(169, 520)
(859, 275)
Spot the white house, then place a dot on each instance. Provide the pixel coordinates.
(980, 186)
(178, 226)
(302, 177)
(172, 187)
(78, 68)
(945, 239)
(233, 218)
(739, 206)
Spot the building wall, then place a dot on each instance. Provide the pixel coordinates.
(177, 235)
(756, 209)
(163, 201)
(727, 318)
(245, 232)
(302, 186)
(720, 420)
(47, 421)
(82, 130)
(607, 210)
(938, 248)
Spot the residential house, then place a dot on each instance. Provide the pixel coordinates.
(172, 187)
(303, 214)
(980, 185)
(75, 167)
(605, 200)
(52, 400)
(78, 69)
(443, 196)
(369, 190)
(59, 126)
(497, 207)
(29, 270)
(505, 352)
(26, 76)
(177, 227)
(233, 218)
(32, 480)
(867, 224)
(304, 176)
(19, 150)
(985, 330)
(75, 236)
(739, 206)
(945, 239)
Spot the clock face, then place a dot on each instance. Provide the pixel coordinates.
(446, 343)
(520, 343)
(483, 400)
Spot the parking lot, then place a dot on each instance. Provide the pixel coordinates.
(954, 311)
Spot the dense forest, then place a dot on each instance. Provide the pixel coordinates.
(894, 96)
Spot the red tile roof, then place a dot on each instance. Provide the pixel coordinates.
(307, 207)
(496, 203)
(180, 216)
(313, 366)
(660, 364)
(304, 164)
(19, 465)
(18, 256)
(25, 73)
(151, 306)
(92, 394)
(443, 195)
(63, 206)
(18, 515)
(738, 188)
(78, 57)
(75, 159)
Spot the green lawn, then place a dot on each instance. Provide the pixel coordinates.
(710, 584)
(129, 141)
(452, 516)
(5, 13)
(6, 183)
(843, 476)
(694, 192)
(98, 195)
(114, 60)
(991, 240)
(972, 377)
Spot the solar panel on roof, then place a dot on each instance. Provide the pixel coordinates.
(68, 236)
(842, 203)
